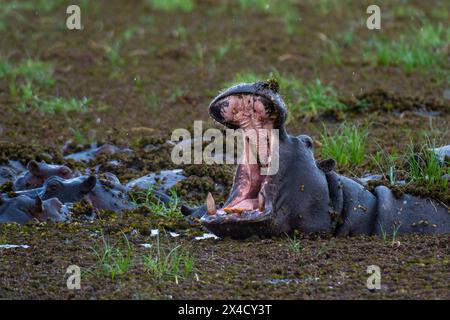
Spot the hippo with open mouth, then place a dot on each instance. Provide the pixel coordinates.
(302, 194)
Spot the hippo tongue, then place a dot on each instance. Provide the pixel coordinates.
(247, 204)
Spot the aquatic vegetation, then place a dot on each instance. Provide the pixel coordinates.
(347, 145)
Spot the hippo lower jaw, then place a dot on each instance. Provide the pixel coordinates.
(238, 222)
(248, 211)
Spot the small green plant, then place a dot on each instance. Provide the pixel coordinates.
(152, 100)
(322, 249)
(294, 243)
(385, 237)
(387, 164)
(347, 145)
(332, 54)
(168, 263)
(113, 49)
(177, 93)
(114, 260)
(172, 5)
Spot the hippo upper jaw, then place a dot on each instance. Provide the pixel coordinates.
(225, 106)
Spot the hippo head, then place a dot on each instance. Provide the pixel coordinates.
(22, 209)
(267, 202)
(37, 173)
(71, 190)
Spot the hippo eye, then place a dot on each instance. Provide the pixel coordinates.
(53, 187)
(65, 172)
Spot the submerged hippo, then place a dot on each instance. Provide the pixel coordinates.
(37, 173)
(105, 193)
(6, 175)
(301, 195)
(22, 209)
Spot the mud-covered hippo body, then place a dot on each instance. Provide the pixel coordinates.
(302, 195)
(105, 193)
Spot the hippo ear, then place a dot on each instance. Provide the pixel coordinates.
(88, 184)
(307, 141)
(327, 165)
(34, 168)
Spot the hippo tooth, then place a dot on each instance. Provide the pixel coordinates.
(261, 202)
(210, 205)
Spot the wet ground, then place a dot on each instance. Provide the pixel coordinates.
(150, 71)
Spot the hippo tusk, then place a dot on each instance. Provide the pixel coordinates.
(261, 202)
(210, 205)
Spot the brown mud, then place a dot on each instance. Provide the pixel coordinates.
(160, 60)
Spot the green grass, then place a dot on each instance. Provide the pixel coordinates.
(172, 5)
(28, 70)
(295, 244)
(114, 260)
(283, 9)
(394, 236)
(301, 99)
(347, 145)
(387, 163)
(424, 167)
(317, 98)
(27, 81)
(421, 49)
(148, 199)
(114, 48)
(168, 262)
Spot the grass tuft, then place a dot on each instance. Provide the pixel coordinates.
(168, 263)
(425, 169)
(114, 260)
(347, 145)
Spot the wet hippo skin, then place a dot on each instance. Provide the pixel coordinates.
(23, 209)
(302, 195)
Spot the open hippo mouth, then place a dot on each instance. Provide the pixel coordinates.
(258, 111)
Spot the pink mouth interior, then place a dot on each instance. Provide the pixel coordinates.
(249, 113)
